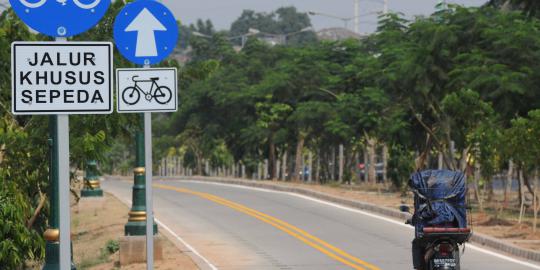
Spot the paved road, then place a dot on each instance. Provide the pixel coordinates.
(241, 228)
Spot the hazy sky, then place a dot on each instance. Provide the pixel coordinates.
(224, 12)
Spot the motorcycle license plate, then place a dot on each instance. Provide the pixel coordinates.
(444, 262)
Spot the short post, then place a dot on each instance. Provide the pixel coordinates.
(92, 187)
(136, 225)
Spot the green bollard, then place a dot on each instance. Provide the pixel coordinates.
(137, 215)
(92, 187)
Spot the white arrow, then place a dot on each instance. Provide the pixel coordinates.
(145, 24)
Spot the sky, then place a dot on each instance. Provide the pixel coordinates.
(224, 12)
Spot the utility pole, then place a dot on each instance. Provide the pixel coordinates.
(357, 16)
(385, 9)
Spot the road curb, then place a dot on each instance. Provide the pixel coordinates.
(477, 238)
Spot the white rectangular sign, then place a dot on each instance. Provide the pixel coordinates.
(61, 77)
(147, 90)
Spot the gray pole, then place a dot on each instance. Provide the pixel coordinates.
(63, 183)
(244, 40)
(357, 16)
(149, 206)
(149, 193)
(65, 219)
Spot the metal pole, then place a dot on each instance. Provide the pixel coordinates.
(63, 173)
(385, 10)
(149, 193)
(52, 234)
(357, 16)
(244, 40)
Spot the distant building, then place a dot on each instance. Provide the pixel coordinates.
(182, 56)
(337, 33)
(272, 40)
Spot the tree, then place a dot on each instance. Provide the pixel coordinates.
(23, 164)
(524, 148)
(283, 21)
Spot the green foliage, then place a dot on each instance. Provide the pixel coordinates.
(524, 146)
(284, 20)
(401, 165)
(24, 148)
(459, 76)
(112, 246)
(19, 243)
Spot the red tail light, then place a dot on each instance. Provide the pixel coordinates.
(445, 249)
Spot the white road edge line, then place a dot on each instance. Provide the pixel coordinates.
(402, 224)
(213, 267)
(191, 248)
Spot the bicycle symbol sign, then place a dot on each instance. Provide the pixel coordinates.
(132, 94)
(60, 18)
(147, 90)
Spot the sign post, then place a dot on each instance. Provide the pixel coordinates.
(146, 32)
(149, 193)
(45, 82)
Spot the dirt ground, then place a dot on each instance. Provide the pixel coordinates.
(95, 240)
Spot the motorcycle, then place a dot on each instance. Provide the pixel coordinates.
(439, 219)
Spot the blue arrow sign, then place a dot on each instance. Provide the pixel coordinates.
(145, 32)
(60, 18)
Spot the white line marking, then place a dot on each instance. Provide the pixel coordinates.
(190, 247)
(213, 267)
(402, 224)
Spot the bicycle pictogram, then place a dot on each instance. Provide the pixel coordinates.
(31, 4)
(132, 94)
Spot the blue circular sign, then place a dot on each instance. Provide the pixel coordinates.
(145, 32)
(60, 18)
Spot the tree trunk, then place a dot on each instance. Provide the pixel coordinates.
(332, 167)
(318, 167)
(508, 184)
(199, 165)
(440, 161)
(463, 161)
(372, 172)
(535, 200)
(521, 196)
(299, 157)
(284, 165)
(341, 163)
(477, 189)
(266, 172)
(527, 182)
(41, 204)
(385, 162)
(310, 167)
(272, 157)
(365, 152)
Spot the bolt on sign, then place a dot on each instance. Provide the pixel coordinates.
(62, 78)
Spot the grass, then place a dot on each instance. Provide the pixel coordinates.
(110, 248)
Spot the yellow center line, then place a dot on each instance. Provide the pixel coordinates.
(318, 244)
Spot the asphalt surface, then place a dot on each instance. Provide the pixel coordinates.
(242, 228)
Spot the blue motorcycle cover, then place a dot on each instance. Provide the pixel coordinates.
(439, 199)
